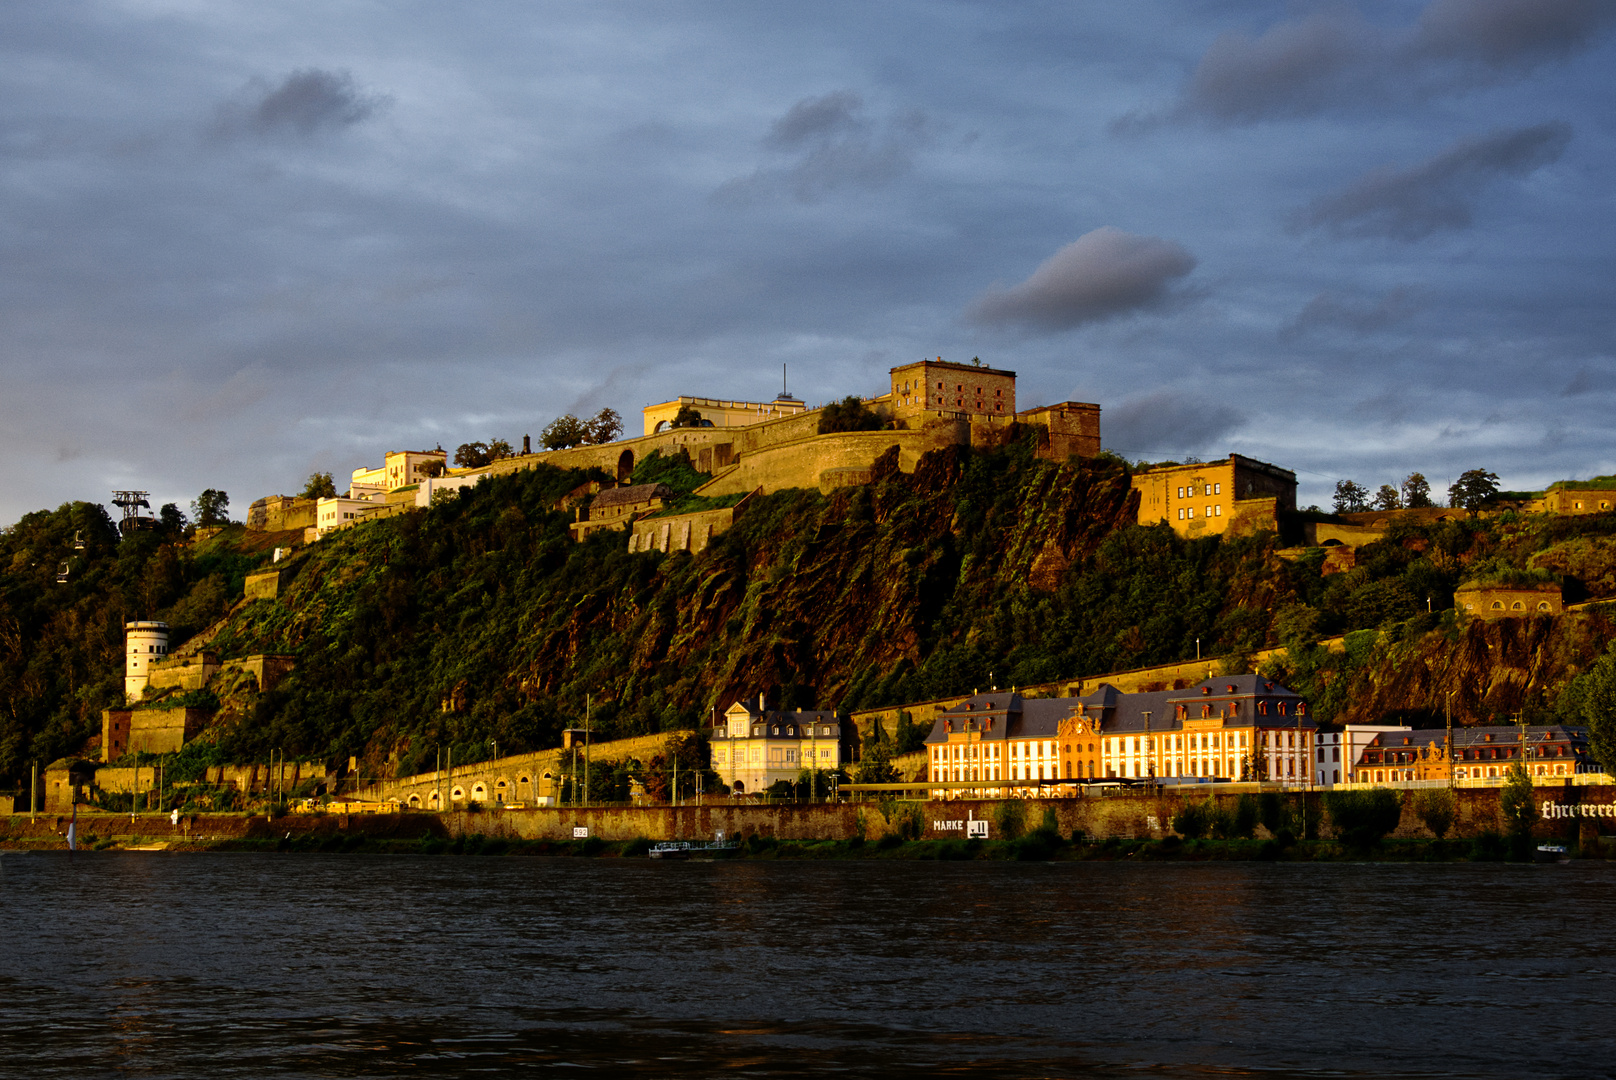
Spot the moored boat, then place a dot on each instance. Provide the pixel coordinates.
(1551, 853)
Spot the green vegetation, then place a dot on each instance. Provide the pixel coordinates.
(480, 621)
(849, 414)
(1362, 819)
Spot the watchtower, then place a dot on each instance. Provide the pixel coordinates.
(144, 644)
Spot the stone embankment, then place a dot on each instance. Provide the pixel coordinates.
(1572, 814)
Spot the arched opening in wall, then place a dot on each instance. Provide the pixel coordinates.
(740, 787)
(415, 801)
(432, 799)
(479, 792)
(457, 793)
(500, 790)
(625, 465)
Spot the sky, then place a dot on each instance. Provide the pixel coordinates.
(243, 242)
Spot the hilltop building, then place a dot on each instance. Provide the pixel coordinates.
(1239, 727)
(754, 747)
(1499, 601)
(400, 468)
(618, 508)
(719, 413)
(933, 389)
(1214, 497)
(145, 643)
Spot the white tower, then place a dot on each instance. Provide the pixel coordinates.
(144, 644)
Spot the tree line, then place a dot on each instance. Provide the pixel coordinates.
(1473, 490)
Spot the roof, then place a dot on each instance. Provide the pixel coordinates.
(1502, 735)
(634, 493)
(1015, 717)
(953, 365)
(806, 718)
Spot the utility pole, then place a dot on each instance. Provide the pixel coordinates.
(1150, 757)
(587, 702)
(33, 791)
(1448, 714)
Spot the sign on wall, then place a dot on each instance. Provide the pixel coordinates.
(580, 832)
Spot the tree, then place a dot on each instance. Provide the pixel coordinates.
(562, 432)
(1473, 489)
(499, 449)
(1516, 801)
(875, 766)
(210, 508)
(1436, 807)
(320, 486)
(604, 427)
(471, 455)
(1590, 699)
(686, 417)
(1416, 492)
(1350, 497)
(171, 519)
(1387, 498)
(1362, 818)
(849, 414)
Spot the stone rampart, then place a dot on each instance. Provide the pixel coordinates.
(519, 778)
(684, 532)
(280, 513)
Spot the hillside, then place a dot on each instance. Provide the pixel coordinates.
(481, 622)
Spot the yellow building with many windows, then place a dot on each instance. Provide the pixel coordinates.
(754, 748)
(1239, 727)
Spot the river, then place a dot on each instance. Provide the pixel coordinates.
(224, 965)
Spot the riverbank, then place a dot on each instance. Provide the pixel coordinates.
(1035, 847)
(1168, 824)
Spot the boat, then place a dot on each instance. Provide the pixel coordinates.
(684, 849)
(1551, 853)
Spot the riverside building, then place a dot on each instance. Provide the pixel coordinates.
(754, 748)
(1242, 727)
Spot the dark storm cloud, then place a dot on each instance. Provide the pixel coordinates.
(1334, 58)
(304, 103)
(1506, 34)
(1101, 274)
(1168, 422)
(1409, 204)
(827, 143)
(1330, 310)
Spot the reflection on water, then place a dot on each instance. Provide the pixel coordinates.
(262, 965)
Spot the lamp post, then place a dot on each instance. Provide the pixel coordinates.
(1150, 757)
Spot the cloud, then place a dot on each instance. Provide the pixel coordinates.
(1409, 204)
(306, 102)
(1295, 68)
(1334, 58)
(1329, 310)
(1505, 34)
(1168, 422)
(829, 144)
(1101, 274)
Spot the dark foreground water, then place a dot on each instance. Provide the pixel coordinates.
(212, 965)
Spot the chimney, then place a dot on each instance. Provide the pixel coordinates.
(527, 444)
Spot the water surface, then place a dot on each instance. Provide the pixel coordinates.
(214, 965)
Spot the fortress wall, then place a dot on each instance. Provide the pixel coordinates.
(512, 769)
(826, 460)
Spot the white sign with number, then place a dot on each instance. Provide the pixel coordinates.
(580, 832)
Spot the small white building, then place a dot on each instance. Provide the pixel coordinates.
(401, 468)
(340, 513)
(1339, 750)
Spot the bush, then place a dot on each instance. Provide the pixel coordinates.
(1194, 820)
(888, 841)
(1437, 809)
(1361, 819)
(1516, 801)
(849, 414)
(1010, 819)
